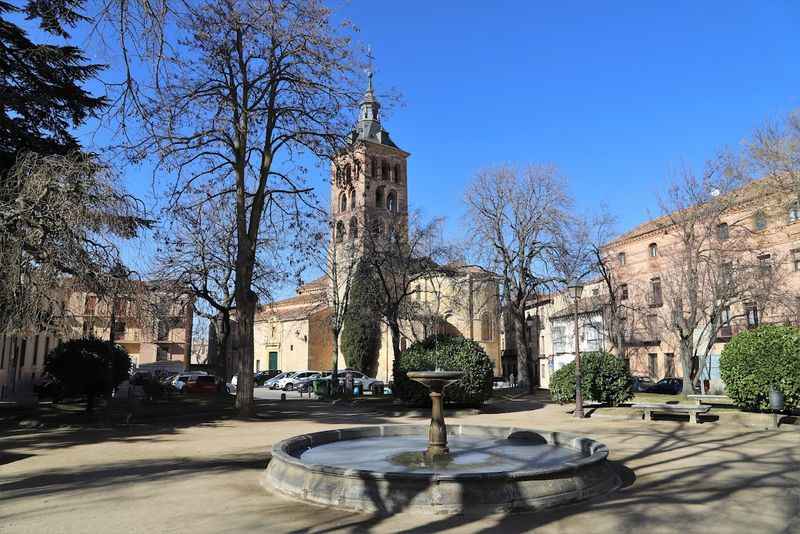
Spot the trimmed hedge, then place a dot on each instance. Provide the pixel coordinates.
(81, 366)
(756, 359)
(604, 378)
(449, 353)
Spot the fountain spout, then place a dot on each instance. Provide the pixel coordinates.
(436, 381)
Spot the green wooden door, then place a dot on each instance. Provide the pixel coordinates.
(273, 360)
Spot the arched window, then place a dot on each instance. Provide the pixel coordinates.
(373, 167)
(487, 327)
(653, 250)
(397, 172)
(343, 202)
(391, 201)
(353, 228)
(379, 197)
(339, 231)
(723, 232)
(348, 173)
(384, 170)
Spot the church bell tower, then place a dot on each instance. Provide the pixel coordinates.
(369, 191)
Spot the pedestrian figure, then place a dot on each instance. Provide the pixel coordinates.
(348, 384)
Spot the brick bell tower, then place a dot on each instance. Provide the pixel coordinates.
(369, 190)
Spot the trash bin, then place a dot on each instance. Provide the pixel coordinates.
(321, 388)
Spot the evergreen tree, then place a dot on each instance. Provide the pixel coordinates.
(361, 331)
(41, 84)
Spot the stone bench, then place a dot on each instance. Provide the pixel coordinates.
(691, 410)
(708, 398)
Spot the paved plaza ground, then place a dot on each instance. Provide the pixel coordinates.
(203, 476)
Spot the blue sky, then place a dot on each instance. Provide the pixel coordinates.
(614, 94)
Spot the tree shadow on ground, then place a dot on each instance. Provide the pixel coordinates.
(106, 476)
(699, 472)
(33, 430)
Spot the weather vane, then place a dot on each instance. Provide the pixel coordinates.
(370, 57)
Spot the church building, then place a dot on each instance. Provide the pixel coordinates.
(369, 193)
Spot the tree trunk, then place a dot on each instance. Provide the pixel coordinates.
(110, 367)
(246, 305)
(222, 350)
(188, 329)
(687, 353)
(394, 328)
(525, 370)
(335, 367)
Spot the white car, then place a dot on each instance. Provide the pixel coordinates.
(300, 377)
(272, 383)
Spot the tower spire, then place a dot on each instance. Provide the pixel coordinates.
(368, 120)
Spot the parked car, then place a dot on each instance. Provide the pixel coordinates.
(667, 386)
(272, 383)
(178, 382)
(642, 383)
(201, 384)
(262, 377)
(289, 382)
(359, 378)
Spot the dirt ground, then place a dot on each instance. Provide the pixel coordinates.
(203, 475)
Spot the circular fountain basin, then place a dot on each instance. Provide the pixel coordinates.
(490, 469)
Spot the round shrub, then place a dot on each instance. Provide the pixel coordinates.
(756, 359)
(448, 353)
(81, 366)
(604, 378)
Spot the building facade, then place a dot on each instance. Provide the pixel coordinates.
(153, 325)
(643, 263)
(369, 193)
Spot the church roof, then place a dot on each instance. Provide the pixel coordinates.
(369, 126)
(309, 300)
(750, 191)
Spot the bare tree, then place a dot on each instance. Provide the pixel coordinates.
(238, 91)
(774, 151)
(710, 269)
(59, 216)
(338, 261)
(401, 258)
(198, 252)
(618, 311)
(515, 217)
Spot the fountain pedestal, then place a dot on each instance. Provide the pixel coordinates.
(436, 381)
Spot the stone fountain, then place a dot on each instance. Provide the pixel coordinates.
(436, 381)
(457, 470)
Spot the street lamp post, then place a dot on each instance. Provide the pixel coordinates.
(576, 290)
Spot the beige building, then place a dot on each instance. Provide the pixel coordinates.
(768, 227)
(551, 328)
(294, 334)
(153, 326)
(369, 192)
